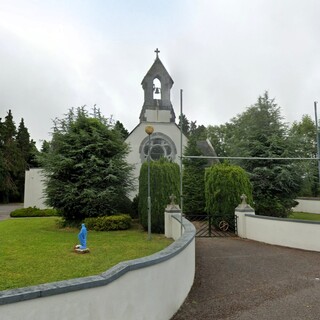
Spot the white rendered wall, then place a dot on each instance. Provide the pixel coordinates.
(33, 189)
(138, 134)
(153, 292)
(158, 115)
(299, 234)
(150, 293)
(308, 205)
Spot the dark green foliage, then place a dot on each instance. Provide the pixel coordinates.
(191, 129)
(224, 185)
(10, 160)
(123, 131)
(164, 181)
(33, 212)
(124, 206)
(85, 167)
(17, 153)
(135, 207)
(109, 223)
(303, 137)
(185, 124)
(260, 132)
(193, 180)
(219, 137)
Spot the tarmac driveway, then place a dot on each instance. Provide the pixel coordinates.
(243, 279)
(5, 209)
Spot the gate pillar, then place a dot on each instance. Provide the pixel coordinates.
(171, 209)
(241, 210)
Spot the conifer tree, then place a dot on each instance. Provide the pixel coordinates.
(10, 159)
(85, 167)
(164, 181)
(193, 180)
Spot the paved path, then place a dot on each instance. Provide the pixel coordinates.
(5, 209)
(242, 279)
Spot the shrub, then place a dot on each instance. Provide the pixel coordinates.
(224, 185)
(33, 212)
(109, 223)
(164, 181)
(135, 207)
(85, 169)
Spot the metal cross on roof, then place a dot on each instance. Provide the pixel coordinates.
(157, 51)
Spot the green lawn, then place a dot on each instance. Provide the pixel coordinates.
(35, 251)
(305, 216)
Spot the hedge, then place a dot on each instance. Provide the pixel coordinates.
(33, 212)
(109, 223)
(164, 181)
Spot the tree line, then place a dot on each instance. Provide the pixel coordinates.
(87, 173)
(17, 153)
(259, 132)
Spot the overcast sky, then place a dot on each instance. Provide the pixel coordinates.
(58, 54)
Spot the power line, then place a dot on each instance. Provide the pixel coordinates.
(248, 158)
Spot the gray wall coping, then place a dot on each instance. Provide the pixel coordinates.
(65, 286)
(282, 219)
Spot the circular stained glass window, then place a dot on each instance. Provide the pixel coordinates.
(160, 146)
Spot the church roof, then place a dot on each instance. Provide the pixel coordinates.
(157, 69)
(207, 150)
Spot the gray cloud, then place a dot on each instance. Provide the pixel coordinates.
(223, 54)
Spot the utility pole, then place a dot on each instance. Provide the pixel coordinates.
(318, 142)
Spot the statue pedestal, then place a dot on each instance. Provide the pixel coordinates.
(77, 249)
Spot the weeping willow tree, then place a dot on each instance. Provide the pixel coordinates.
(224, 185)
(164, 181)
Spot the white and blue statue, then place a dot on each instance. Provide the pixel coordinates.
(82, 247)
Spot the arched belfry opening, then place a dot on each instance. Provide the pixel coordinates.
(157, 84)
(156, 89)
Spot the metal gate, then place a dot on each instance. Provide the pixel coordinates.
(207, 227)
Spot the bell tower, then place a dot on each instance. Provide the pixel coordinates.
(157, 84)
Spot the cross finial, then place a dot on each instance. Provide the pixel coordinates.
(172, 198)
(157, 51)
(244, 199)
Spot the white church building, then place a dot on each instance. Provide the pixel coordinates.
(157, 111)
(165, 141)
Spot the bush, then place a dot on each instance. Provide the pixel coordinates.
(135, 207)
(108, 223)
(164, 181)
(224, 185)
(33, 212)
(85, 169)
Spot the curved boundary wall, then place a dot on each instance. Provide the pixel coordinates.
(153, 287)
(311, 205)
(300, 234)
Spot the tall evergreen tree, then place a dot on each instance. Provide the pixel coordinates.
(193, 180)
(164, 181)
(261, 132)
(120, 127)
(86, 171)
(10, 159)
(24, 155)
(185, 125)
(303, 137)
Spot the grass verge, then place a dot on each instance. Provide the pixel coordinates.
(304, 216)
(35, 251)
